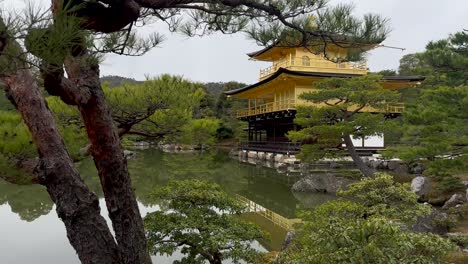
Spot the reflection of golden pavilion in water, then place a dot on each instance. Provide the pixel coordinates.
(273, 99)
(273, 223)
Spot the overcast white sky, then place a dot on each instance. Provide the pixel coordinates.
(222, 57)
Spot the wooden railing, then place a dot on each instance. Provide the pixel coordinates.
(267, 108)
(396, 108)
(291, 104)
(314, 64)
(277, 219)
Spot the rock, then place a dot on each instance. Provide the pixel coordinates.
(375, 164)
(384, 165)
(466, 194)
(420, 185)
(243, 154)
(392, 164)
(252, 154)
(288, 239)
(435, 223)
(279, 157)
(168, 147)
(401, 169)
(454, 201)
(141, 145)
(269, 164)
(261, 155)
(282, 167)
(291, 161)
(129, 154)
(465, 183)
(270, 156)
(321, 183)
(416, 168)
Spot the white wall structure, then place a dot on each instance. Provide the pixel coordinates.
(368, 142)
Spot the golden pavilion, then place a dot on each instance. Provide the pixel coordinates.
(273, 99)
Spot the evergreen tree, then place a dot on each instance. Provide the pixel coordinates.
(435, 132)
(371, 227)
(341, 109)
(202, 221)
(444, 62)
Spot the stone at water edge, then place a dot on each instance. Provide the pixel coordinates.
(393, 164)
(261, 156)
(420, 185)
(288, 239)
(465, 183)
(454, 200)
(128, 154)
(327, 183)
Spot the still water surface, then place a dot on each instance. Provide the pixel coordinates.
(30, 231)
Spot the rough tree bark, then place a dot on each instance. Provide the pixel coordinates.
(355, 156)
(82, 89)
(110, 161)
(76, 205)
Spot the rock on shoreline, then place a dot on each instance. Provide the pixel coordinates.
(325, 182)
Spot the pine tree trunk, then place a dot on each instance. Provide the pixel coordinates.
(76, 205)
(111, 164)
(365, 170)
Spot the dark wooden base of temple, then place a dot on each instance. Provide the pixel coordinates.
(271, 127)
(267, 133)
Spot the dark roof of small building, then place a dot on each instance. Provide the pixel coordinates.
(320, 74)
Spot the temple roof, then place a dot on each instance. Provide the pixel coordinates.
(327, 37)
(325, 75)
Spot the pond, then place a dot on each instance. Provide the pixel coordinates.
(30, 231)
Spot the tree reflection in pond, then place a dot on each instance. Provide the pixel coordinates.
(28, 201)
(152, 168)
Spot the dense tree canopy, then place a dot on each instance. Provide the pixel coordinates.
(366, 229)
(163, 108)
(433, 127)
(444, 62)
(202, 221)
(342, 108)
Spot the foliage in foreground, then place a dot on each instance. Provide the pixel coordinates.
(202, 221)
(382, 196)
(372, 228)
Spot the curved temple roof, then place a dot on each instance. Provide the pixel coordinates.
(316, 74)
(324, 37)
